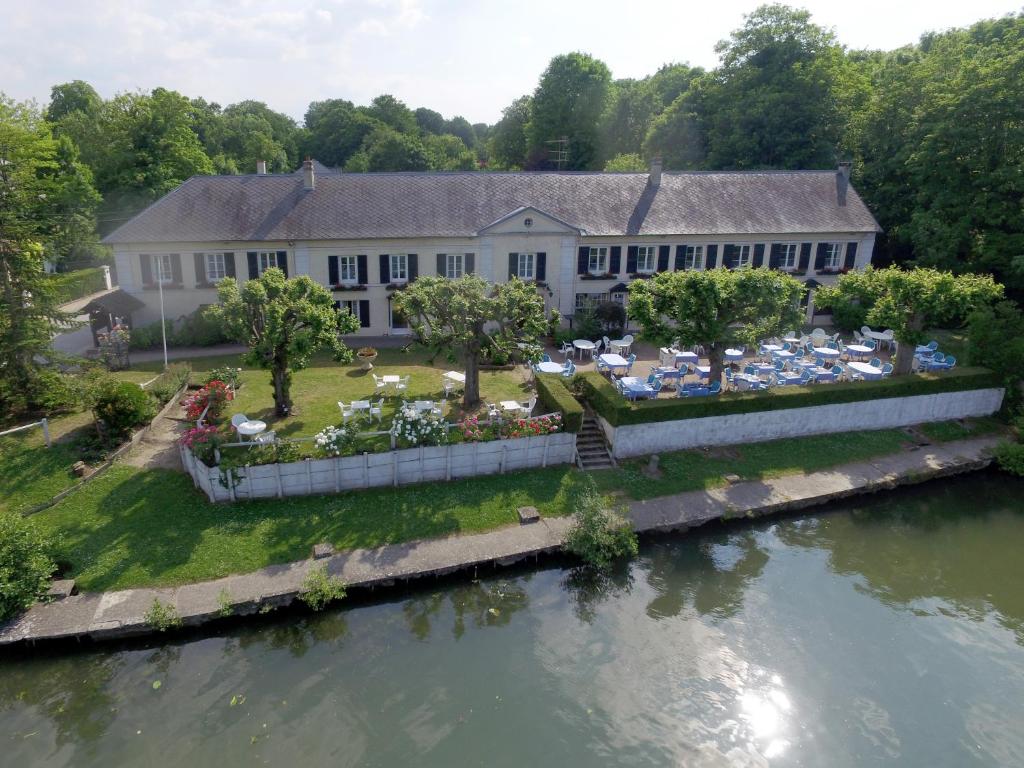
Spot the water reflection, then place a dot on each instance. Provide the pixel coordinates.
(587, 588)
(481, 603)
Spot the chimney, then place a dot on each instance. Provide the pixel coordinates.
(261, 167)
(842, 181)
(308, 176)
(654, 177)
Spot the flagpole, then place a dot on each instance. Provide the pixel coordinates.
(163, 324)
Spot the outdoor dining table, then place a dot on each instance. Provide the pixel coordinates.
(749, 382)
(923, 350)
(619, 345)
(390, 381)
(792, 339)
(584, 344)
(788, 376)
(456, 377)
(767, 349)
(637, 387)
(613, 361)
(550, 367)
(823, 374)
(826, 352)
(858, 350)
(868, 371)
(704, 371)
(359, 406)
(667, 373)
(764, 369)
(251, 428)
(733, 355)
(880, 336)
(676, 357)
(784, 355)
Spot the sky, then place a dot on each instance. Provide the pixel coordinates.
(459, 58)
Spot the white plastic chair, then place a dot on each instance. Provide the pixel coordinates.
(377, 411)
(378, 383)
(402, 385)
(346, 412)
(628, 339)
(266, 437)
(529, 405)
(447, 387)
(237, 419)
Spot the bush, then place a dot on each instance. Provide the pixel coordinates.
(149, 336)
(162, 616)
(1010, 457)
(52, 393)
(554, 396)
(119, 407)
(418, 428)
(25, 564)
(618, 411)
(586, 325)
(203, 442)
(168, 383)
(319, 589)
(335, 441)
(215, 395)
(203, 328)
(599, 535)
(229, 375)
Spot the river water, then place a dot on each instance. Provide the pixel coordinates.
(887, 630)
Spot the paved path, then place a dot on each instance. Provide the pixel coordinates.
(121, 614)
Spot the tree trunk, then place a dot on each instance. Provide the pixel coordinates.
(904, 362)
(471, 395)
(282, 390)
(716, 357)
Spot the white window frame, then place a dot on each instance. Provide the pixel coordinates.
(649, 253)
(352, 305)
(693, 257)
(348, 264)
(399, 264)
(164, 268)
(585, 300)
(792, 256)
(265, 260)
(744, 250)
(600, 266)
(526, 266)
(214, 263)
(454, 265)
(833, 256)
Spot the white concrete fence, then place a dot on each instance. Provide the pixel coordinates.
(41, 423)
(657, 437)
(374, 470)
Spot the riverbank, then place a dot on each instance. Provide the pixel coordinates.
(111, 615)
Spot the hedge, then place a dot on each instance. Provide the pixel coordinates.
(554, 395)
(618, 411)
(68, 286)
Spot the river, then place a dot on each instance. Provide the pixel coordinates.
(888, 630)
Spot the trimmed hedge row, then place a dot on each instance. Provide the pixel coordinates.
(554, 395)
(618, 411)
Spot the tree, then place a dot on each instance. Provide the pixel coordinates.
(631, 163)
(388, 150)
(284, 322)
(25, 563)
(996, 341)
(448, 153)
(911, 301)
(392, 112)
(508, 142)
(468, 315)
(336, 130)
(569, 101)
(76, 96)
(429, 121)
(632, 105)
(677, 135)
(715, 308)
(461, 127)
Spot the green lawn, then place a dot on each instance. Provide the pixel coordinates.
(134, 527)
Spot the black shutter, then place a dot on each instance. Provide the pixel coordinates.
(615, 263)
(663, 253)
(851, 255)
(805, 255)
(254, 268)
(819, 259)
(440, 265)
(332, 270)
(229, 264)
(680, 257)
(712, 257)
(582, 260)
(361, 270)
(176, 268)
(385, 269)
(541, 270)
(774, 255)
(198, 259)
(468, 264)
(412, 267)
(631, 251)
(759, 255)
(146, 265)
(282, 261)
(364, 313)
(729, 256)
(513, 265)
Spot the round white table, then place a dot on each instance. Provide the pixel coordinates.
(826, 352)
(869, 372)
(733, 355)
(251, 428)
(584, 344)
(792, 339)
(859, 350)
(769, 348)
(549, 367)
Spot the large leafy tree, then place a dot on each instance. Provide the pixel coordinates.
(508, 142)
(335, 130)
(569, 102)
(910, 302)
(715, 308)
(461, 318)
(284, 322)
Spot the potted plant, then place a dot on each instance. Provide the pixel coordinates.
(366, 356)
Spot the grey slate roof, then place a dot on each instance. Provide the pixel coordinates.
(364, 206)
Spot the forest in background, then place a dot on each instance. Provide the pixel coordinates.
(935, 132)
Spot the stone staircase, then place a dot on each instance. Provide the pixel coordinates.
(591, 447)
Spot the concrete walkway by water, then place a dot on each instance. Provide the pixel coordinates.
(121, 614)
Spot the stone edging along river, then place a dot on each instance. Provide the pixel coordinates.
(112, 615)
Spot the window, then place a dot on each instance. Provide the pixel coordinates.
(399, 267)
(454, 265)
(398, 320)
(646, 259)
(215, 269)
(527, 262)
(787, 255)
(587, 300)
(348, 306)
(742, 256)
(163, 269)
(347, 271)
(267, 259)
(598, 263)
(693, 257)
(833, 253)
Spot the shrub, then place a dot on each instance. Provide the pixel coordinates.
(229, 375)
(586, 324)
(319, 589)
(335, 441)
(214, 394)
(554, 395)
(52, 393)
(25, 564)
(149, 336)
(203, 442)
(599, 535)
(1010, 457)
(533, 427)
(162, 616)
(168, 383)
(412, 429)
(202, 328)
(119, 407)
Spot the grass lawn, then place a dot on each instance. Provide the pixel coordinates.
(136, 527)
(951, 343)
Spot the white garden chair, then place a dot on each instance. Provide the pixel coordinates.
(378, 383)
(346, 412)
(266, 437)
(377, 410)
(402, 385)
(238, 418)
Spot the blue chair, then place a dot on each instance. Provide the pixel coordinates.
(715, 388)
(805, 377)
(780, 365)
(651, 378)
(569, 369)
(601, 367)
(545, 358)
(876, 362)
(938, 357)
(656, 386)
(787, 347)
(950, 361)
(932, 345)
(837, 371)
(886, 370)
(820, 362)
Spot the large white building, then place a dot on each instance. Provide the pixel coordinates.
(581, 237)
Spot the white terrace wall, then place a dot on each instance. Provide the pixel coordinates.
(643, 439)
(371, 470)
